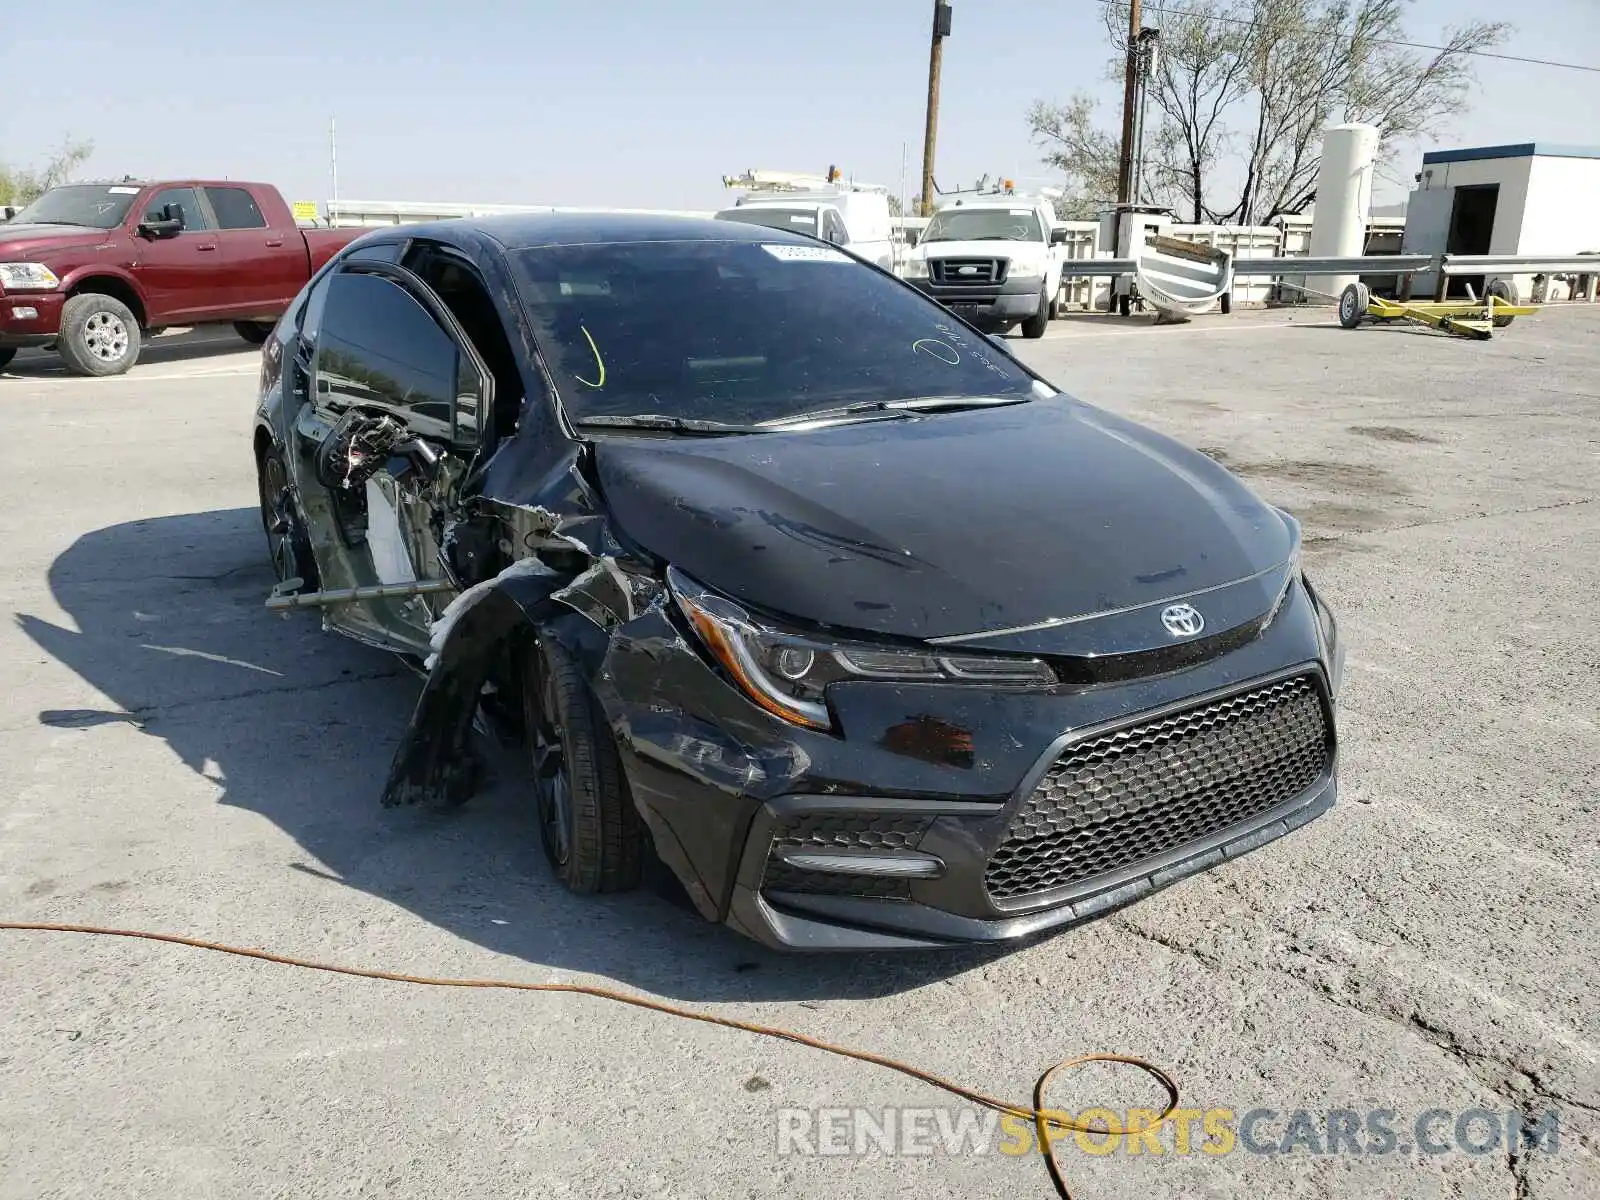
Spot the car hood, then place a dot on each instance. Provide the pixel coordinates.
(992, 249)
(20, 239)
(1045, 514)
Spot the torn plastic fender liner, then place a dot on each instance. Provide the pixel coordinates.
(435, 764)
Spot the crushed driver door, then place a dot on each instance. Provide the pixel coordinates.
(390, 423)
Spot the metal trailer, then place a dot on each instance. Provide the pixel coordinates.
(1465, 318)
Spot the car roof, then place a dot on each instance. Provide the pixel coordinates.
(521, 231)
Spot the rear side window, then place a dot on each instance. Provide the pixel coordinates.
(378, 347)
(185, 202)
(236, 208)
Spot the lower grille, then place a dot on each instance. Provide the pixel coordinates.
(1118, 799)
(829, 832)
(781, 877)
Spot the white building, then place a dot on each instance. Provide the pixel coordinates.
(1529, 199)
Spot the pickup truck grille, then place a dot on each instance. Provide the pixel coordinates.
(961, 271)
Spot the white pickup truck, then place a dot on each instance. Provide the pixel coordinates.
(855, 220)
(993, 259)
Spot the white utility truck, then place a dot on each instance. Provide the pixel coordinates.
(853, 216)
(992, 256)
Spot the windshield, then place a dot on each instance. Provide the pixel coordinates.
(984, 225)
(743, 332)
(801, 220)
(96, 205)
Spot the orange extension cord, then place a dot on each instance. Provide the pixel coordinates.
(1044, 1121)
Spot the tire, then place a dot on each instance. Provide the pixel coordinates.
(1055, 306)
(7, 353)
(1500, 289)
(1353, 303)
(1227, 303)
(593, 836)
(99, 336)
(288, 547)
(254, 332)
(1124, 304)
(1035, 325)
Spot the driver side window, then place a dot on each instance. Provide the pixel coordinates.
(185, 204)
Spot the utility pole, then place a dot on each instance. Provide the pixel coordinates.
(941, 30)
(1130, 102)
(333, 164)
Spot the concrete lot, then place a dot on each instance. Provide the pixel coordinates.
(174, 758)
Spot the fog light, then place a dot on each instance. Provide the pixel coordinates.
(25, 312)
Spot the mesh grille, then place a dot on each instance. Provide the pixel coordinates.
(850, 831)
(824, 832)
(1126, 796)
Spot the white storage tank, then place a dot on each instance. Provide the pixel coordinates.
(1344, 196)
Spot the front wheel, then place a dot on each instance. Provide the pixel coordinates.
(1035, 325)
(254, 332)
(99, 335)
(287, 544)
(592, 834)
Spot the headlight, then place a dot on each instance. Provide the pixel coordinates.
(787, 673)
(916, 268)
(17, 276)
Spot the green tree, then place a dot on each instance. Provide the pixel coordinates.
(23, 185)
(1242, 91)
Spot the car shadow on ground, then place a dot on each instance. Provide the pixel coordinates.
(299, 726)
(217, 342)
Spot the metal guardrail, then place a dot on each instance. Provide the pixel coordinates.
(1371, 264)
(1511, 264)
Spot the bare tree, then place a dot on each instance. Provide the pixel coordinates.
(19, 186)
(1243, 90)
(1085, 154)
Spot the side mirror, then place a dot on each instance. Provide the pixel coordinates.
(162, 222)
(1058, 237)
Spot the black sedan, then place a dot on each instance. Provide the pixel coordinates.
(781, 570)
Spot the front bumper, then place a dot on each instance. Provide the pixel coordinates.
(29, 318)
(940, 785)
(1012, 298)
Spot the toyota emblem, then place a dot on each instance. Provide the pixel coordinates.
(1182, 620)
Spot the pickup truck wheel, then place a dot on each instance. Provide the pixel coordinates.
(99, 336)
(592, 834)
(1035, 325)
(254, 332)
(7, 353)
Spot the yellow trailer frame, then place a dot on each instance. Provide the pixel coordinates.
(1465, 318)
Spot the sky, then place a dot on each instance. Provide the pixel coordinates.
(628, 102)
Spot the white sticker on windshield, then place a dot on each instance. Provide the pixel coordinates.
(804, 253)
(800, 219)
(1021, 212)
(123, 191)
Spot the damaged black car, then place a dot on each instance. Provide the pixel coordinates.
(785, 574)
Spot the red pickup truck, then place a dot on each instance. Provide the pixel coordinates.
(92, 269)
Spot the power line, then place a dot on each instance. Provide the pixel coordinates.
(1516, 58)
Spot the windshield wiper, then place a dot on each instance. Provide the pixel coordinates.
(687, 425)
(892, 408)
